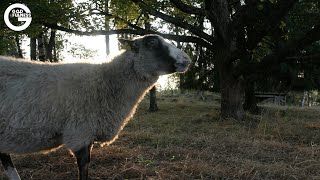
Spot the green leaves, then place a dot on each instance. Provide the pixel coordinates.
(79, 51)
(126, 10)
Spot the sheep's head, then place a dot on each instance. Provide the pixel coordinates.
(156, 56)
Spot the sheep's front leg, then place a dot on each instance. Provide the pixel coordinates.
(9, 167)
(83, 159)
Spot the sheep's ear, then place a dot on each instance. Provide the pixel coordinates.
(128, 44)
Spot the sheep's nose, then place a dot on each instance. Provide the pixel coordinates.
(186, 59)
(182, 63)
(186, 62)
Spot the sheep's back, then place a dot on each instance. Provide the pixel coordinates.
(35, 101)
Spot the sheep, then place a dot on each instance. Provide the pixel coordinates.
(45, 106)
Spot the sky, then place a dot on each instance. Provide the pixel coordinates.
(96, 43)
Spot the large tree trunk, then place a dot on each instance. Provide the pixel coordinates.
(41, 48)
(55, 57)
(107, 28)
(107, 44)
(50, 45)
(304, 98)
(226, 45)
(153, 92)
(153, 100)
(230, 86)
(18, 44)
(309, 98)
(181, 78)
(33, 48)
(250, 101)
(231, 96)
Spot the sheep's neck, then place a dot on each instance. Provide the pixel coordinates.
(120, 92)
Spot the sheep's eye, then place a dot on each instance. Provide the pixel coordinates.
(153, 43)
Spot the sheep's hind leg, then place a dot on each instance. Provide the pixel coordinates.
(83, 159)
(9, 167)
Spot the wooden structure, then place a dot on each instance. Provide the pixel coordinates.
(271, 97)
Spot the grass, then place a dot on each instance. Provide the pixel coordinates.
(187, 140)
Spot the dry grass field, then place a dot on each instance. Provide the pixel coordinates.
(187, 140)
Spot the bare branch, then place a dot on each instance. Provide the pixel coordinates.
(140, 31)
(176, 21)
(117, 18)
(291, 48)
(308, 57)
(258, 28)
(188, 9)
(219, 15)
(280, 54)
(312, 36)
(137, 20)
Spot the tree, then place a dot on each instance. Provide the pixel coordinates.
(107, 27)
(153, 107)
(33, 48)
(284, 74)
(10, 44)
(43, 41)
(79, 51)
(237, 30)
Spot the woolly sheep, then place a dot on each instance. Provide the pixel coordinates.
(44, 106)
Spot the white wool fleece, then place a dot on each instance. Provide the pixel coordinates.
(43, 106)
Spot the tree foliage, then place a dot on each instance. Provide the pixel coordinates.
(79, 51)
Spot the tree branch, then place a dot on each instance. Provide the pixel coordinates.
(140, 31)
(307, 57)
(219, 16)
(117, 18)
(312, 36)
(280, 54)
(257, 30)
(137, 20)
(174, 20)
(188, 9)
(291, 48)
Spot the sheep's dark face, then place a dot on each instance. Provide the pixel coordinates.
(158, 57)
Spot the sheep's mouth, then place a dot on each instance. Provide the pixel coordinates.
(182, 67)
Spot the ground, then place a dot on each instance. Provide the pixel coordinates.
(186, 139)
